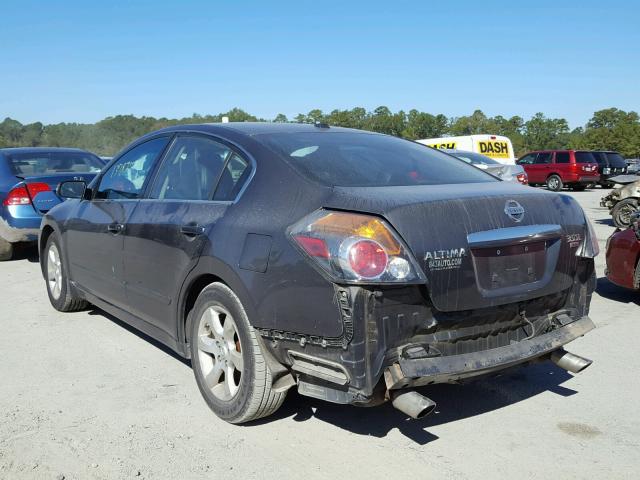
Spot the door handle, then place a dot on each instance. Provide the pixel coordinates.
(192, 230)
(115, 227)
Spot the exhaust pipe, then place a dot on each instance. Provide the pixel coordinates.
(569, 361)
(412, 403)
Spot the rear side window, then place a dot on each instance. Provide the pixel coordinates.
(46, 163)
(233, 178)
(543, 158)
(190, 170)
(126, 177)
(585, 157)
(368, 160)
(562, 157)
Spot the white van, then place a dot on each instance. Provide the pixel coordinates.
(496, 147)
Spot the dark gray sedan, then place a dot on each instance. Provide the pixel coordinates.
(352, 266)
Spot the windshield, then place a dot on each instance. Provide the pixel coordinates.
(585, 157)
(475, 158)
(616, 160)
(46, 163)
(348, 159)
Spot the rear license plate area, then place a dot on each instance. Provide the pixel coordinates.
(509, 265)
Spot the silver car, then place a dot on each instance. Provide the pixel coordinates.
(507, 173)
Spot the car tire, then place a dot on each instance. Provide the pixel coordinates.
(227, 360)
(578, 188)
(6, 250)
(621, 212)
(58, 286)
(554, 183)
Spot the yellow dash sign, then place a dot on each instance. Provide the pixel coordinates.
(493, 148)
(448, 146)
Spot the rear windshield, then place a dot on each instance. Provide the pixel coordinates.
(45, 163)
(616, 160)
(368, 160)
(585, 157)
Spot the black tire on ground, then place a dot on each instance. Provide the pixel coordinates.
(254, 397)
(622, 211)
(578, 188)
(59, 289)
(554, 183)
(6, 250)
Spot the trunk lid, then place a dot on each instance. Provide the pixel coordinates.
(480, 245)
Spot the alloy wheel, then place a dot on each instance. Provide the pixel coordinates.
(54, 271)
(220, 352)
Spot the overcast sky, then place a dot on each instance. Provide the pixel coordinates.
(82, 61)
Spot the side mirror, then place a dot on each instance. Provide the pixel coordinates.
(72, 189)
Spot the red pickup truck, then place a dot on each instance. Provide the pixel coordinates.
(557, 168)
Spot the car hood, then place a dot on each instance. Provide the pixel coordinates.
(471, 242)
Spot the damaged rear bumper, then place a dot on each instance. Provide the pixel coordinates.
(407, 372)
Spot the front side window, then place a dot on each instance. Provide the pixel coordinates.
(125, 179)
(543, 158)
(527, 159)
(348, 159)
(190, 169)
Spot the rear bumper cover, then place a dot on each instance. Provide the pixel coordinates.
(415, 372)
(15, 234)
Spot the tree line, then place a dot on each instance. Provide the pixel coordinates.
(608, 129)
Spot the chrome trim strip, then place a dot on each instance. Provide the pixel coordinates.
(513, 235)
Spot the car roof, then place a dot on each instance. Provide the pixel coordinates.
(11, 150)
(258, 128)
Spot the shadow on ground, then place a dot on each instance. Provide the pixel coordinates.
(25, 252)
(608, 290)
(455, 401)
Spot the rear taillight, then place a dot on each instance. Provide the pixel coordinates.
(590, 247)
(355, 248)
(23, 194)
(522, 178)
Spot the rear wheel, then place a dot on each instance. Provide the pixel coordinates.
(6, 250)
(229, 367)
(554, 183)
(58, 287)
(622, 212)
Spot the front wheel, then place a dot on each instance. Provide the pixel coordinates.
(622, 212)
(554, 183)
(6, 250)
(58, 286)
(229, 367)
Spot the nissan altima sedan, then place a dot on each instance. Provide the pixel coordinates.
(350, 265)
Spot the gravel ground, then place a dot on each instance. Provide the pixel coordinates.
(84, 396)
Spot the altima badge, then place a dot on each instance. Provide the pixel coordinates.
(514, 210)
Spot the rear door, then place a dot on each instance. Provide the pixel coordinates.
(94, 235)
(197, 181)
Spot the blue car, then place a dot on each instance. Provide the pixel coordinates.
(28, 181)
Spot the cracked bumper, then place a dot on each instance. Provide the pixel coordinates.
(416, 372)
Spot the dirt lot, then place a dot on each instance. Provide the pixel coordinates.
(84, 396)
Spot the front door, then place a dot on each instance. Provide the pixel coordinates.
(192, 189)
(95, 234)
